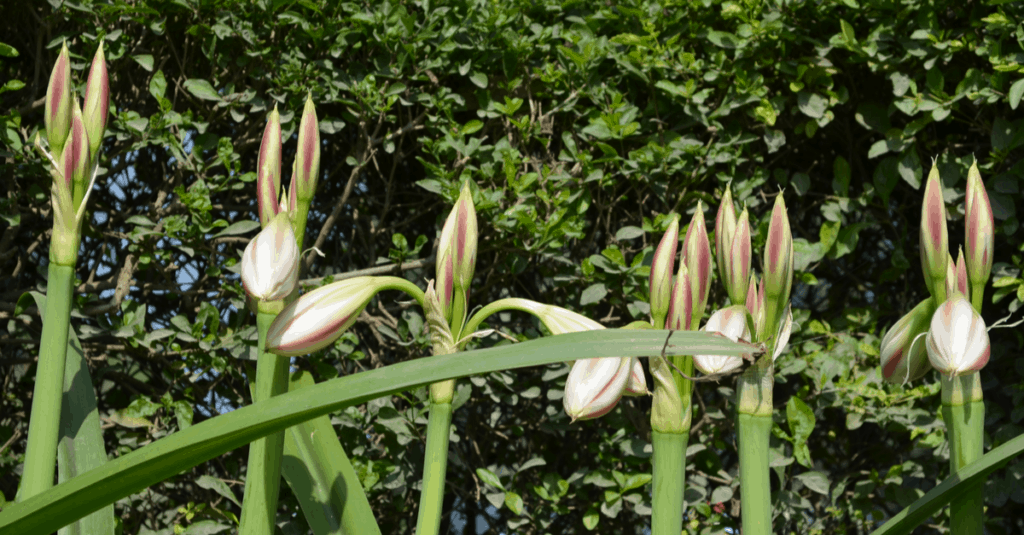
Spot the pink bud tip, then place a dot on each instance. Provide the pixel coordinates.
(662, 265)
(697, 251)
(980, 230)
(268, 172)
(934, 240)
(58, 103)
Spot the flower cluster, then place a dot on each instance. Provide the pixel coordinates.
(956, 339)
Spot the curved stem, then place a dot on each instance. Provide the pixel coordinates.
(398, 283)
(509, 303)
(263, 478)
(44, 422)
(435, 465)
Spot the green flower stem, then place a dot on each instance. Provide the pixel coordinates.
(435, 466)
(963, 410)
(754, 421)
(44, 422)
(669, 462)
(400, 284)
(263, 478)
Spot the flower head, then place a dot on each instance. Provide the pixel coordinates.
(934, 239)
(58, 102)
(661, 272)
(903, 354)
(731, 322)
(980, 230)
(594, 386)
(97, 100)
(270, 263)
(957, 339)
(268, 170)
(318, 318)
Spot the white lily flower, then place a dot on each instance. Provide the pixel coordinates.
(270, 263)
(957, 340)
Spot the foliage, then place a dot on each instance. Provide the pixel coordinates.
(581, 126)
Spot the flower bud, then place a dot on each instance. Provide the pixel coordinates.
(306, 168)
(934, 240)
(731, 322)
(74, 160)
(980, 230)
(755, 300)
(318, 318)
(778, 269)
(270, 263)
(637, 384)
(680, 308)
(737, 261)
(725, 227)
(456, 256)
(957, 339)
(782, 335)
(903, 354)
(661, 272)
(697, 257)
(268, 170)
(58, 103)
(960, 275)
(594, 386)
(97, 101)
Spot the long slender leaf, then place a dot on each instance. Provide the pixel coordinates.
(134, 472)
(321, 476)
(954, 486)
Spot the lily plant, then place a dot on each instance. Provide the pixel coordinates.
(946, 332)
(74, 135)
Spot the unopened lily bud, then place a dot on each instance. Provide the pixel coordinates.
(97, 100)
(456, 255)
(270, 263)
(725, 227)
(680, 309)
(754, 303)
(58, 103)
(74, 160)
(731, 322)
(306, 168)
(661, 272)
(957, 339)
(594, 386)
(960, 275)
(268, 170)
(737, 261)
(778, 268)
(697, 257)
(903, 353)
(782, 335)
(637, 384)
(980, 228)
(318, 318)
(934, 240)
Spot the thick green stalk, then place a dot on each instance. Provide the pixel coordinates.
(963, 410)
(263, 478)
(435, 465)
(669, 462)
(44, 422)
(754, 421)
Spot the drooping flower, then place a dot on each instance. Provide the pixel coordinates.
(731, 322)
(316, 319)
(594, 386)
(902, 351)
(270, 263)
(957, 339)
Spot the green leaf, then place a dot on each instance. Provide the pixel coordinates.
(841, 172)
(514, 503)
(593, 294)
(7, 50)
(158, 85)
(591, 518)
(629, 233)
(12, 85)
(952, 488)
(219, 486)
(801, 421)
(146, 60)
(238, 227)
(1016, 91)
(489, 478)
(130, 473)
(723, 39)
(479, 79)
(321, 475)
(811, 104)
(202, 89)
(816, 481)
(848, 35)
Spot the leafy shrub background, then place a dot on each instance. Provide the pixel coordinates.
(581, 125)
